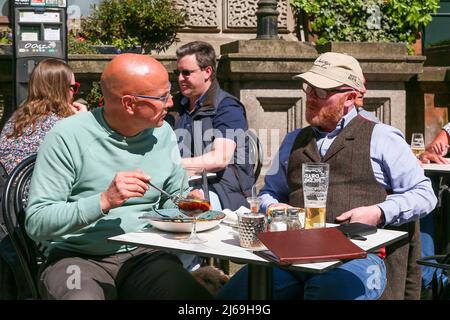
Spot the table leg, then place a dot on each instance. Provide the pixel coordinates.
(259, 282)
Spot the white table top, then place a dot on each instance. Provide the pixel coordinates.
(436, 168)
(223, 242)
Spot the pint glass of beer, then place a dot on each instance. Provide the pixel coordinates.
(315, 188)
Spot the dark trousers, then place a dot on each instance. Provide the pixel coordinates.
(138, 274)
(12, 279)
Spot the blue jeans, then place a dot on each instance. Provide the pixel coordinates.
(359, 279)
(427, 249)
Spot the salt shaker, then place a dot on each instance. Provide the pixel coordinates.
(278, 220)
(293, 219)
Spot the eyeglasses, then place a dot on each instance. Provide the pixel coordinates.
(74, 87)
(322, 93)
(184, 72)
(163, 99)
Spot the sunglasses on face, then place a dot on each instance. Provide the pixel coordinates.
(184, 72)
(74, 87)
(163, 98)
(321, 93)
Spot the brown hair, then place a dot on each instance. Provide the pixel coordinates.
(48, 91)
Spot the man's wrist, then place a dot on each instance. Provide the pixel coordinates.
(104, 203)
(382, 219)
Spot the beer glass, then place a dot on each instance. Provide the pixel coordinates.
(315, 189)
(417, 144)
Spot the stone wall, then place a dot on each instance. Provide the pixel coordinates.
(223, 21)
(260, 72)
(227, 15)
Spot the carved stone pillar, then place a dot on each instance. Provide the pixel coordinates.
(222, 21)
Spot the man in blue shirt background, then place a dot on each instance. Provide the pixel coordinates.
(210, 125)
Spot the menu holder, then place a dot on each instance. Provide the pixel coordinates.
(308, 246)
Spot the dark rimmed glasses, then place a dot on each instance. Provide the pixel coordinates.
(184, 72)
(75, 87)
(163, 98)
(322, 93)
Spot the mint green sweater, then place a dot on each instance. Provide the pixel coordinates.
(76, 162)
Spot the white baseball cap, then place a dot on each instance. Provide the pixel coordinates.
(331, 70)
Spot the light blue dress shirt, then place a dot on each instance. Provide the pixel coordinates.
(394, 167)
(447, 128)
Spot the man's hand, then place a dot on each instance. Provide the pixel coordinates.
(440, 144)
(440, 148)
(369, 215)
(125, 185)
(196, 194)
(278, 204)
(429, 157)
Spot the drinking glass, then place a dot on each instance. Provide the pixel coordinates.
(417, 144)
(315, 189)
(194, 205)
(254, 203)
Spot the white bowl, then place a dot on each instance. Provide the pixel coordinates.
(180, 226)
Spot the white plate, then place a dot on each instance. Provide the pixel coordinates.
(230, 223)
(173, 226)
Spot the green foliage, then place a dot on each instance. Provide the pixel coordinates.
(367, 20)
(6, 36)
(152, 24)
(95, 97)
(79, 45)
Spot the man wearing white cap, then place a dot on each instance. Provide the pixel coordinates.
(374, 179)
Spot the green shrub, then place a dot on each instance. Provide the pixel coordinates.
(6, 36)
(78, 45)
(152, 24)
(367, 20)
(95, 97)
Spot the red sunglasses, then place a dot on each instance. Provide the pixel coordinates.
(75, 87)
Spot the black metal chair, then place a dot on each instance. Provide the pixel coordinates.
(256, 153)
(3, 178)
(3, 174)
(14, 202)
(440, 291)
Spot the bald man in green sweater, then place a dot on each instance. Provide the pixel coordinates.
(90, 182)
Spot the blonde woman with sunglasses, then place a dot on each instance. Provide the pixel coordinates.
(50, 98)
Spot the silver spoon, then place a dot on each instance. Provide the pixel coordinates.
(175, 199)
(172, 197)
